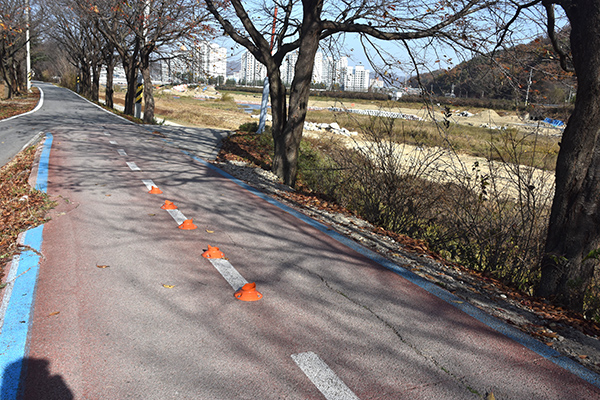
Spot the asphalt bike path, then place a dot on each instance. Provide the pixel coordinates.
(127, 307)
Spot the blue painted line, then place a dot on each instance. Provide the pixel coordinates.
(17, 320)
(483, 317)
(19, 308)
(41, 183)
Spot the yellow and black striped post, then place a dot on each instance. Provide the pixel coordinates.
(138, 97)
(77, 88)
(139, 92)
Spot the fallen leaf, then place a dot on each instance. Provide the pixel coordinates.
(583, 356)
(457, 301)
(107, 195)
(102, 266)
(210, 231)
(54, 313)
(152, 215)
(169, 286)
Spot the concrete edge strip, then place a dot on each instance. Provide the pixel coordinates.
(483, 317)
(33, 140)
(18, 305)
(323, 377)
(37, 107)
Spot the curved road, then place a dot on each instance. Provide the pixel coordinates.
(126, 307)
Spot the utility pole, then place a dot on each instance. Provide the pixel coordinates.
(27, 46)
(265, 94)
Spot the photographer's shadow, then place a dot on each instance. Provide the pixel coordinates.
(41, 385)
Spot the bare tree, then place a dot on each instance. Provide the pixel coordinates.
(75, 32)
(138, 29)
(13, 24)
(303, 25)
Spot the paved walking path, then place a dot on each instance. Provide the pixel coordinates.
(127, 307)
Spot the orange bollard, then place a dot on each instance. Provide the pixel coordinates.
(188, 224)
(169, 205)
(213, 252)
(248, 292)
(155, 190)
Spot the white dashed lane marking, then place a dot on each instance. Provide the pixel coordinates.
(122, 152)
(149, 183)
(177, 216)
(231, 275)
(113, 142)
(323, 377)
(133, 166)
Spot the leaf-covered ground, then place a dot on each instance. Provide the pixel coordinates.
(21, 206)
(19, 104)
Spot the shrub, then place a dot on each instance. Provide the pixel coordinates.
(227, 97)
(248, 127)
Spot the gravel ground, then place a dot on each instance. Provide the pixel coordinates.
(486, 294)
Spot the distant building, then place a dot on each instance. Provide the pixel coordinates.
(212, 61)
(251, 71)
(376, 84)
(317, 75)
(327, 71)
(288, 66)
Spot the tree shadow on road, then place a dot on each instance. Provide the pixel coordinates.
(42, 385)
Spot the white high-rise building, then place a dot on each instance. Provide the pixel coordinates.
(212, 60)
(287, 67)
(361, 79)
(325, 70)
(251, 70)
(317, 75)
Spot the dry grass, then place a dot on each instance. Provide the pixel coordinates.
(539, 151)
(189, 111)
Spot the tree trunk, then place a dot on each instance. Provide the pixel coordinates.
(148, 89)
(86, 80)
(109, 91)
(574, 230)
(130, 65)
(287, 132)
(95, 90)
(6, 77)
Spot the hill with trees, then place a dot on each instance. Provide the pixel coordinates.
(506, 74)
